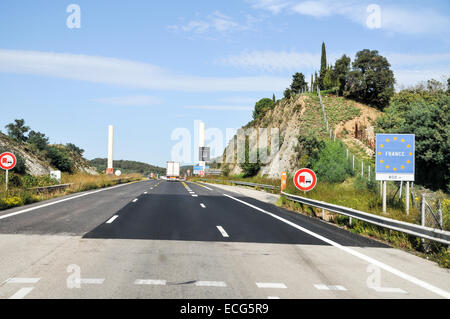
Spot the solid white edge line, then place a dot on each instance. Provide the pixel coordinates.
(150, 282)
(355, 253)
(21, 293)
(275, 285)
(112, 219)
(222, 231)
(210, 284)
(57, 202)
(17, 280)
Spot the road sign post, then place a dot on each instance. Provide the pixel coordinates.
(395, 154)
(7, 162)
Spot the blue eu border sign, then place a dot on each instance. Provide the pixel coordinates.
(395, 155)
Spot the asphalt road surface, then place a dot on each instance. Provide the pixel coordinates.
(161, 239)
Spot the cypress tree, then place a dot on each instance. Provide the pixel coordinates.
(323, 66)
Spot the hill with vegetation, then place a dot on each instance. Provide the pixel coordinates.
(36, 156)
(128, 167)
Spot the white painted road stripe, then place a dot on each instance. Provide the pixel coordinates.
(329, 287)
(135, 200)
(389, 290)
(273, 297)
(90, 281)
(145, 192)
(112, 219)
(207, 187)
(203, 205)
(21, 293)
(355, 253)
(57, 202)
(150, 282)
(211, 283)
(222, 231)
(21, 280)
(194, 195)
(274, 285)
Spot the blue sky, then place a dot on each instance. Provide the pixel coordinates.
(149, 67)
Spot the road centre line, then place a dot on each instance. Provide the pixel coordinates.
(275, 285)
(21, 293)
(330, 287)
(210, 284)
(59, 201)
(112, 219)
(355, 253)
(222, 231)
(150, 282)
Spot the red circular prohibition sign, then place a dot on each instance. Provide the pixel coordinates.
(305, 179)
(7, 161)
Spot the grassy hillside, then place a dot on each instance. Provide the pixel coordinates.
(128, 167)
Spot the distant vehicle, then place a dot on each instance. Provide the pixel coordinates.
(173, 170)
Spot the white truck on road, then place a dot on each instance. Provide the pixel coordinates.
(173, 170)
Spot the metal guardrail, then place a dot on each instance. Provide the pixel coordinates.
(433, 234)
(438, 235)
(50, 188)
(243, 183)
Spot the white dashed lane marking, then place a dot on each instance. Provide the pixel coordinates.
(203, 205)
(155, 282)
(194, 195)
(90, 281)
(135, 200)
(274, 285)
(329, 287)
(222, 231)
(21, 280)
(112, 219)
(21, 293)
(389, 290)
(210, 283)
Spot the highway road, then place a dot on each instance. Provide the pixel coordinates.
(161, 239)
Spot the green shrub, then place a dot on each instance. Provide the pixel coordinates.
(332, 164)
(60, 159)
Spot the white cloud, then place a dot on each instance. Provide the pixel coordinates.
(406, 19)
(410, 77)
(137, 100)
(215, 22)
(220, 107)
(274, 6)
(128, 73)
(313, 8)
(275, 61)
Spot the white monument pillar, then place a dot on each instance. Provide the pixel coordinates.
(201, 142)
(110, 168)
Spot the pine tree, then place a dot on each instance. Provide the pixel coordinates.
(323, 66)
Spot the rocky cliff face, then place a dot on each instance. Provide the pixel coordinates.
(37, 166)
(350, 121)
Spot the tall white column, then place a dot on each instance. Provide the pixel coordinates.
(201, 142)
(110, 168)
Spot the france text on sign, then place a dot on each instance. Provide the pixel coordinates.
(395, 157)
